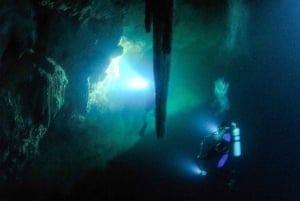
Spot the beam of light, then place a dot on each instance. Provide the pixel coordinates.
(123, 76)
(113, 70)
(196, 170)
(127, 78)
(191, 167)
(121, 79)
(211, 127)
(206, 124)
(137, 83)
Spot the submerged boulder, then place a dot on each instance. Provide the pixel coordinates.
(32, 93)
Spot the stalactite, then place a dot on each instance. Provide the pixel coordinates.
(159, 14)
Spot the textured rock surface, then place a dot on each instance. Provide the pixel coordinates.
(28, 103)
(44, 43)
(48, 49)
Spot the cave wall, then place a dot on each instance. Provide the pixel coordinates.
(48, 49)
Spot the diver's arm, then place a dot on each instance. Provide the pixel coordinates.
(203, 144)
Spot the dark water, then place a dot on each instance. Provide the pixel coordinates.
(265, 93)
(265, 98)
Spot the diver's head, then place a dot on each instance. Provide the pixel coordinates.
(223, 128)
(224, 124)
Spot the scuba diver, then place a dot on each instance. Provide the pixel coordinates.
(221, 146)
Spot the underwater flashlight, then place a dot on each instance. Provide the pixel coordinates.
(196, 170)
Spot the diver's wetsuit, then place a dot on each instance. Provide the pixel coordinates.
(218, 146)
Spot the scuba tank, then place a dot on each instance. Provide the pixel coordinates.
(236, 140)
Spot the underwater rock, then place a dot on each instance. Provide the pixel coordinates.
(32, 93)
(79, 40)
(86, 11)
(17, 28)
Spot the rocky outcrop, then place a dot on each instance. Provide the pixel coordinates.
(48, 50)
(86, 11)
(32, 93)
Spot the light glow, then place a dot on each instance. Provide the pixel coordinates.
(124, 76)
(192, 168)
(137, 83)
(206, 124)
(211, 127)
(124, 80)
(113, 70)
(196, 170)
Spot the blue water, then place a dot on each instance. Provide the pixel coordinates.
(265, 94)
(265, 102)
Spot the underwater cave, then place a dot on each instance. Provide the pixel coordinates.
(110, 99)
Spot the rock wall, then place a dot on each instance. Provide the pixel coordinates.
(48, 49)
(29, 101)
